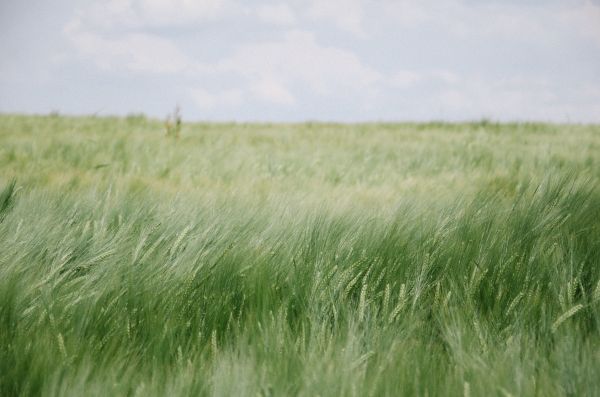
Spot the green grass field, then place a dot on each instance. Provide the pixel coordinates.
(309, 259)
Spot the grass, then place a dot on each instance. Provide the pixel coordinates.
(310, 259)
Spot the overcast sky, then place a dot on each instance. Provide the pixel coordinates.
(275, 60)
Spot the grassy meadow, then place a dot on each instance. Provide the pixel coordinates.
(298, 259)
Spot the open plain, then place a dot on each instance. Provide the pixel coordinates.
(298, 259)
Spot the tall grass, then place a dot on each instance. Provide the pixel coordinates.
(298, 259)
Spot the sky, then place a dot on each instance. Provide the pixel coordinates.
(299, 60)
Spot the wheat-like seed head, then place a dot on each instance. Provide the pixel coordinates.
(565, 316)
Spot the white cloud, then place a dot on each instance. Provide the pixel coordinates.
(299, 59)
(445, 76)
(321, 61)
(146, 13)
(493, 20)
(272, 91)
(272, 71)
(115, 35)
(137, 52)
(210, 100)
(584, 19)
(164, 12)
(407, 13)
(269, 71)
(279, 14)
(506, 99)
(346, 14)
(405, 78)
(409, 78)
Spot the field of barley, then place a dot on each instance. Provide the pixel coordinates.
(298, 259)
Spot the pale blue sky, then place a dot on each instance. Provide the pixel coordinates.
(336, 60)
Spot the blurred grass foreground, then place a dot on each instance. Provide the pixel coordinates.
(301, 259)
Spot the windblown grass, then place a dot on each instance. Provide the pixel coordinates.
(298, 259)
